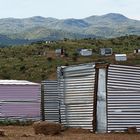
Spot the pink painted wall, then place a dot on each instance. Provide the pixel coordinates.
(20, 101)
(20, 109)
(19, 92)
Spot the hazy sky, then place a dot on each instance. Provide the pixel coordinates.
(68, 8)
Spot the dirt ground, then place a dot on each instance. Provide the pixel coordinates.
(27, 133)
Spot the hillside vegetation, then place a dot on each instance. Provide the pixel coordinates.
(38, 61)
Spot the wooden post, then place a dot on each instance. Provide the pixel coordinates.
(95, 100)
(42, 103)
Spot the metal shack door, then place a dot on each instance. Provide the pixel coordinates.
(76, 88)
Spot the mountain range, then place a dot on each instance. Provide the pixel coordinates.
(20, 31)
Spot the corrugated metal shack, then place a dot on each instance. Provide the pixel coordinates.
(120, 57)
(19, 100)
(136, 51)
(99, 97)
(85, 52)
(106, 51)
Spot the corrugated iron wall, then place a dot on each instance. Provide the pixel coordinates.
(112, 105)
(123, 97)
(20, 102)
(50, 101)
(76, 89)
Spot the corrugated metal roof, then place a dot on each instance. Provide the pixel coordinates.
(17, 82)
(120, 55)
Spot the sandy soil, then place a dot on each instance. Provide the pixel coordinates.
(27, 133)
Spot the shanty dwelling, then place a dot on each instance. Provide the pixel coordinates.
(19, 100)
(60, 52)
(85, 52)
(136, 51)
(106, 51)
(120, 57)
(100, 97)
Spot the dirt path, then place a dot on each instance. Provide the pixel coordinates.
(27, 133)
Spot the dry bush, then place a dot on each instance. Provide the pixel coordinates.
(2, 133)
(47, 128)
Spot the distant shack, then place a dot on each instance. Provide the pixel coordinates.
(120, 57)
(60, 52)
(106, 51)
(136, 51)
(85, 52)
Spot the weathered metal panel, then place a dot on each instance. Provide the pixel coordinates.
(101, 102)
(123, 97)
(51, 102)
(76, 89)
(19, 100)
